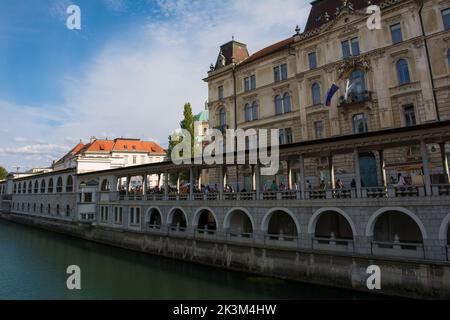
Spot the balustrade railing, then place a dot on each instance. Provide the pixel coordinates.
(398, 248)
(348, 193)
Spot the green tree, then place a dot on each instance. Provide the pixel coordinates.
(188, 124)
(3, 173)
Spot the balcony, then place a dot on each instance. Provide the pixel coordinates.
(355, 99)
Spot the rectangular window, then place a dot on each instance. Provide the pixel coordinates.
(396, 33)
(252, 82)
(312, 60)
(276, 74)
(355, 46)
(131, 215)
(345, 49)
(246, 84)
(284, 74)
(446, 18)
(318, 129)
(118, 215)
(288, 134)
(134, 159)
(281, 136)
(220, 93)
(410, 115)
(359, 123)
(88, 197)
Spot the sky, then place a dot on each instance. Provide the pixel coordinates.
(126, 73)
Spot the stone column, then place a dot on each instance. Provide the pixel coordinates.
(331, 168)
(357, 172)
(178, 181)
(257, 181)
(221, 182)
(301, 177)
(191, 183)
(382, 171)
(127, 185)
(166, 185)
(289, 174)
(444, 162)
(144, 184)
(426, 168)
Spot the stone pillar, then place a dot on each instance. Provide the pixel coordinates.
(426, 168)
(301, 177)
(127, 185)
(178, 181)
(257, 181)
(444, 162)
(289, 174)
(382, 171)
(199, 174)
(221, 181)
(144, 184)
(357, 172)
(166, 185)
(191, 183)
(331, 168)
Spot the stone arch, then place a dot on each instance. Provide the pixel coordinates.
(373, 219)
(444, 230)
(153, 217)
(315, 218)
(177, 215)
(229, 224)
(265, 224)
(199, 215)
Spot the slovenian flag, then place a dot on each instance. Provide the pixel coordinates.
(330, 94)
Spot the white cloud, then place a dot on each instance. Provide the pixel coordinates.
(137, 85)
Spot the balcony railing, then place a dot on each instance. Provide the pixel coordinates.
(355, 98)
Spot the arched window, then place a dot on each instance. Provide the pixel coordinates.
(20, 188)
(36, 186)
(49, 209)
(287, 102)
(69, 184)
(15, 188)
(42, 208)
(222, 117)
(358, 85)
(315, 93)
(30, 187)
(34, 207)
(59, 185)
(402, 72)
(67, 210)
(24, 187)
(57, 209)
(248, 112)
(43, 186)
(50, 186)
(254, 111)
(278, 105)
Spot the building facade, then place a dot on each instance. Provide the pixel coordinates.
(398, 76)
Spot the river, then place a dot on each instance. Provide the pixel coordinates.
(33, 265)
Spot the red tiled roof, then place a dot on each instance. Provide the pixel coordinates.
(284, 44)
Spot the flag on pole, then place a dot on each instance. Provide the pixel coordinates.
(330, 94)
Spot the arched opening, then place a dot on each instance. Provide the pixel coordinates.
(41, 210)
(154, 219)
(30, 187)
(59, 185)
(57, 210)
(36, 187)
(43, 186)
(178, 220)
(239, 224)
(206, 222)
(49, 209)
(396, 229)
(105, 185)
(281, 226)
(50, 186)
(24, 187)
(67, 210)
(333, 226)
(69, 184)
(448, 235)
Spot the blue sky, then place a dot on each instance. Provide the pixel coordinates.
(127, 72)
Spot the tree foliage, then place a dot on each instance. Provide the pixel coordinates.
(3, 173)
(187, 124)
